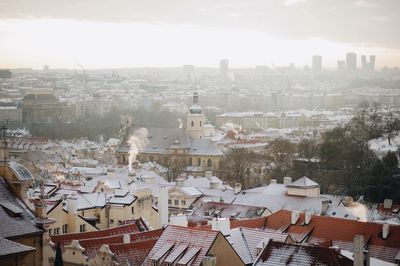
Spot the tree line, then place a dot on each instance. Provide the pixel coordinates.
(340, 160)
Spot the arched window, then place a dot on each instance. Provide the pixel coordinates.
(198, 161)
(190, 161)
(209, 163)
(192, 123)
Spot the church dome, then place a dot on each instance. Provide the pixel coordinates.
(195, 109)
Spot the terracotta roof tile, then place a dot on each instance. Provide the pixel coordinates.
(278, 253)
(174, 237)
(123, 229)
(341, 231)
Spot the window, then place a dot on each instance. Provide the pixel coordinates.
(57, 231)
(183, 202)
(209, 163)
(198, 161)
(111, 221)
(50, 231)
(151, 158)
(190, 161)
(192, 123)
(82, 228)
(170, 201)
(176, 202)
(65, 229)
(200, 123)
(133, 210)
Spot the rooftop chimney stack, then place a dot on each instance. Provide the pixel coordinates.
(287, 180)
(307, 217)
(163, 206)
(223, 225)
(72, 204)
(126, 239)
(385, 231)
(295, 216)
(387, 203)
(238, 188)
(358, 253)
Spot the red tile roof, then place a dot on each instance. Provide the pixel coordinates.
(245, 223)
(341, 232)
(134, 253)
(197, 239)
(393, 211)
(136, 227)
(278, 253)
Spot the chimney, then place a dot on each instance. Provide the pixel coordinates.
(358, 252)
(222, 224)
(72, 204)
(163, 206)
(179, 220)
(385, 231)
(126, 239)
(387, 203)
(307, 217)
(208, 175)
(273, 181)
(214, 184)
(209, 261)
(295, 216)
(238, 188)
(287, 180)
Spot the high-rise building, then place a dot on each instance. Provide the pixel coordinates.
(372, 62)
(188, 72)
(223, 69)
(364, 63)
(351, 61)
(341, 65)
(317, 63)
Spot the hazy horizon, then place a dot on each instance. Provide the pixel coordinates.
(131, 34)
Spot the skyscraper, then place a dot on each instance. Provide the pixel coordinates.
(364, 63)
(317, 63)
(223, 69)
(372, 62)
(351, 61)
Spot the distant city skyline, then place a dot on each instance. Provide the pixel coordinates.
(98, 34)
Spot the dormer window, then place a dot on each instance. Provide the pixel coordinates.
(10, 208)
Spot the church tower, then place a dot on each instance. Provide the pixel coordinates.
(195, 119)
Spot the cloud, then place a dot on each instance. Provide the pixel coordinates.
(349, 21)
(293, 2)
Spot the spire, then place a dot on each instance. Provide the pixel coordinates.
(195, 108)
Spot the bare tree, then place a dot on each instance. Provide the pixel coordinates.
(280, 154)
(236, 165)
(391, 126)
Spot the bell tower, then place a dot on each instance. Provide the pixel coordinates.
(195, 119)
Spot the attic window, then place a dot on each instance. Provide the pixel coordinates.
(10, 208)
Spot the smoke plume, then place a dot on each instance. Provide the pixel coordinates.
(137, 142)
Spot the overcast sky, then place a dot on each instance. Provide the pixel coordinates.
(130, 33)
